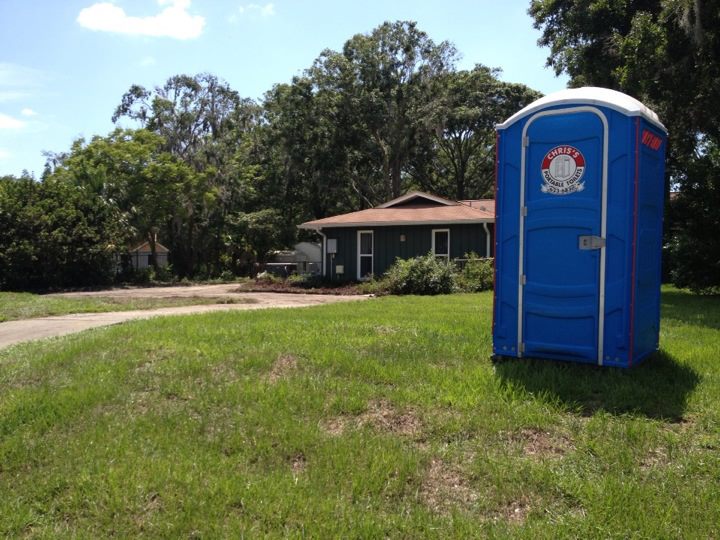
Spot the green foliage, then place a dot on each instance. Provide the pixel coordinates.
(477, 274)
(207, 128)
(432, 275)
(694, 242)
(257, 232)
(55, 234)
(462, 117)
(420, 275)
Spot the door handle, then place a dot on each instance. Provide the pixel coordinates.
(591, 242)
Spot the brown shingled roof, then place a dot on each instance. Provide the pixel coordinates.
(418, 215)
(487, 205)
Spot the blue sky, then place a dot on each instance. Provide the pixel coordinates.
(65, 64)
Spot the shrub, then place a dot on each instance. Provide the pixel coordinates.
(373, 286)
(267, 277)
(227, 276)
(476, 275)
(420, 275)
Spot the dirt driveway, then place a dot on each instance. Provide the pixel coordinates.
(13, 332)
(224, 289)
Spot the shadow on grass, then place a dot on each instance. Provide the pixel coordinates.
(687, 308)
(657, 389)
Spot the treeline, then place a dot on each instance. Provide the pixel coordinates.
(220, 179)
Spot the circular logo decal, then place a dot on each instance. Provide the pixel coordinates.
(562, 168)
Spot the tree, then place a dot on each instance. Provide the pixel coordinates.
(130, 171)
(257, 232)
(209, 127)
(56, 234)
(463, 123)
(384, 78)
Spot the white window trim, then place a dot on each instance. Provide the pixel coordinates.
(359, 255)
(446, 255)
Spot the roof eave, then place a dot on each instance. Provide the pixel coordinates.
(317, 227)
(417, 194)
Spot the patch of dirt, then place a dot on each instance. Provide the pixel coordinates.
(444, 487)
(283, 366)
(335, 426)
(657, 457)
(155, 402)
(153, 504)
(380, 415)
(151, 357)
(542, 444)
(515, 512)
(222, 373)
(682, 425)
(259, 285)
(383, 416)
(227, 299)
(385, 330)
(298, 464)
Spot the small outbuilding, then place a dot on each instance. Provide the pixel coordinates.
(140, 256)
(358, 245)
(580, 186)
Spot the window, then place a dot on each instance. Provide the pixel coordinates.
(365, 254)
(441, 243)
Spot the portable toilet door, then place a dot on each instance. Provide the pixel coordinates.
(570, 173)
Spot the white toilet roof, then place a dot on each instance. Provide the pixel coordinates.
(589, 95)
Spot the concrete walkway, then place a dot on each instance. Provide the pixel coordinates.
(13, 332)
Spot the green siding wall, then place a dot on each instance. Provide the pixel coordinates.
(387, 245)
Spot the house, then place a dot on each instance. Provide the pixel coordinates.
(140, 256)
(364, 243)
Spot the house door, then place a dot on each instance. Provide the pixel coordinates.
(562, 255)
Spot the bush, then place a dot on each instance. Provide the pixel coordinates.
(476, 275)
(54, 234)
(227, 276)
(420, 275)
(267, 277)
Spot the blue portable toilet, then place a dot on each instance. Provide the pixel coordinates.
(579, 209)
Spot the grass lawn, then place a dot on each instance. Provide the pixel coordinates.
(15, 306)
(383, 418)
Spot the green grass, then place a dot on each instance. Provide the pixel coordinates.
(383, 418)
(14, 306)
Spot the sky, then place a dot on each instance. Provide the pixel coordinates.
(65, 64)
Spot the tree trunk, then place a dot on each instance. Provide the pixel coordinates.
(395, 180)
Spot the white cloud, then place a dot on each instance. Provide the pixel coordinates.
(8, 122)
(173, 21)
(148, 61)
(4, 154)
(27, 111)
(267, 10)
